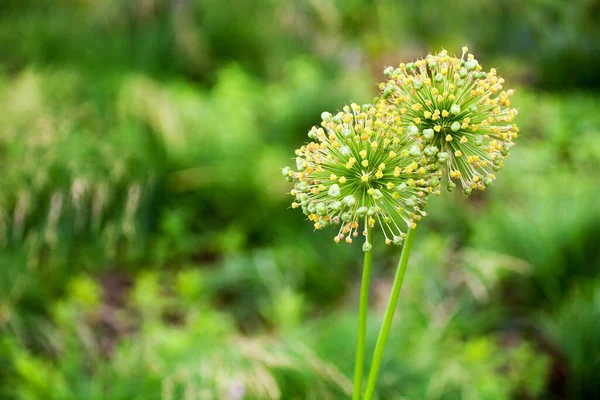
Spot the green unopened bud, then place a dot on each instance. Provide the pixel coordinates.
(401, 187)
(455, 109)
(428, 133)
(397, 240)
(367, 246)
(325, 116)
(487, 181)
(412, 130)
(372, 211)
(410, 203)
(438, 77)
(346, 132)
(410, 67)
(455, 126)
(346, 217)
(362, 211)
(478, 140)
(321, 209)
(286, 171)
(462, 73)
(460, 83)
(415, 151)
(345, 151)
(388, 91)
(467, 191)
(388, 71)
(334, 190)
(442, 156)
(336, 206)
(430, 151)
(418, 85)
(451, 186)
(377, 195)
(350, 201)
(433, 182)
(471, 64)
(302, 186)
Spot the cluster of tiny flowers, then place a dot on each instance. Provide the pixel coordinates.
(376, 164)
(453, 105)
(362, 170)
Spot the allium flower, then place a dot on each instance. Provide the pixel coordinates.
(452, 104)
(359, 171)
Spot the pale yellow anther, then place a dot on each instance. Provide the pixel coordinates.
(448, 138)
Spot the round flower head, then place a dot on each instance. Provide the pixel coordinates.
(359, 171)
(455, 106)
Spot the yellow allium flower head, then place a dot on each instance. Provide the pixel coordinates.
(460, 109)
(362, 169)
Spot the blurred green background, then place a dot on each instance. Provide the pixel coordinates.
(147, 248)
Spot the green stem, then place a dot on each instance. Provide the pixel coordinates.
(389, 316)
(362, 321)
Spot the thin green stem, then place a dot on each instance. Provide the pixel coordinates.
(389, 316)
(362, 320)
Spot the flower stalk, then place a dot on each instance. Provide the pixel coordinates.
(362, 322)
(389, 316)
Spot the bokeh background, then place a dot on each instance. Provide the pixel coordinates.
(147, 248)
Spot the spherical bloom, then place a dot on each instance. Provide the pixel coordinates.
(359, 171)
(454, 105)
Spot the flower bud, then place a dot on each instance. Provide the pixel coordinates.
(362, 211)
(325, 116)
(367, 247)
(428, 133)
(471, 64)
(350, 201)
(412, 130)
(414, 151)
(321, 209)
(455, 126)
(334, 190)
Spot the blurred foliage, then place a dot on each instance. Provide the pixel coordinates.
(146, 248)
